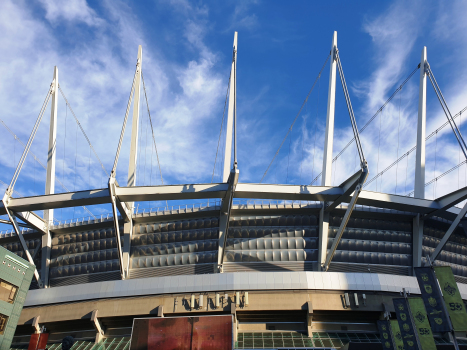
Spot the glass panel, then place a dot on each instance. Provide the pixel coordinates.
(3, 322)
(248, 343)
(7, 292)
(337, 342)
(278, 343)
(318, 343)
(258, 343)
(298, 343)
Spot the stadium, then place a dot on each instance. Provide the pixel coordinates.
(295, 266)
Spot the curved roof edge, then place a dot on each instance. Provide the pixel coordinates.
(241, 281)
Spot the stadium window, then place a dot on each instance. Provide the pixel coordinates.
(3, 322)
(7, 292)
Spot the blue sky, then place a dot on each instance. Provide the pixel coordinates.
(187, 48)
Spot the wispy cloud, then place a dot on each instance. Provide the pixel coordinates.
(96, 76)
(72, 10)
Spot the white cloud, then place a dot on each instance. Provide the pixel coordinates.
(95, 74)
(70, 10)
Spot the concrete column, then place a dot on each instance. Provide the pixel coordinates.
(327, 156)
(419, 186)
(417, 240)
(233, 311)
(323, 236)
(329, 136)
(50, 181)
(127, 234)
(97, 326)
(309, 319)
(36, 325)
(128, 227)
(135, 125)
(223, 231)
(419, 190)
(230, 115)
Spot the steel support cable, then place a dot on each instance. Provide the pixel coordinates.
(6, 185)
(222, 125)
(22, 143)
(29, 143)
(120, 141)
(82, 130)
(350, 109)
(406, 154)
(28, 146)
(434, 169)
(441, 175)
(235, 107)
(40, 163)
(447, 112)
(152, 129)
(301, 108)
(398, 139)
(372, 118)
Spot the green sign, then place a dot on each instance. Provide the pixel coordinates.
(397, 336)
(405, 324)
(452, 298)
(422, 325)
(433, 299)
(385, 333)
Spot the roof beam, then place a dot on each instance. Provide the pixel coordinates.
(348, 186)
(14, 223)
(59, 200)
(448, 201)
(122, 207)
(396, 202)
(345, 220)
(448, 233)
(224, 217)
(288, 192)
(7, 222)
(243, 190)
(171, 192)
(32, 220)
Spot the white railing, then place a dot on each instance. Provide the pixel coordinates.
(269, 203)
(183, 208)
